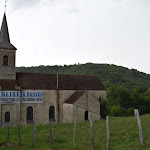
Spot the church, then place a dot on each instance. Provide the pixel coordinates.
(25, 97)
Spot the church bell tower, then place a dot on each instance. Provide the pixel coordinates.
(7, 53)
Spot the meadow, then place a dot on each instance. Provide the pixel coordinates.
(124, 135)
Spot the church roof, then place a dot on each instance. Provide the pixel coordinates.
(4, 36)
(54, 81)
(80, 82)
(36, 81)
(60, 81)
(74, 97)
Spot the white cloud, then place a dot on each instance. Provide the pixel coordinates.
(68, 5)
(17, 4)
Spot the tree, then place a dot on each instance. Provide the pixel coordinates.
(103, 108)
(118, 95)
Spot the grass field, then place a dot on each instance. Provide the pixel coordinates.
(124, 135)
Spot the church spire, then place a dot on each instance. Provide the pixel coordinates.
(4, 36)
(4, 33)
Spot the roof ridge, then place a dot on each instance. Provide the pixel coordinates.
(56, 74)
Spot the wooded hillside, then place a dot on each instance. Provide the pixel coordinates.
(129, 78)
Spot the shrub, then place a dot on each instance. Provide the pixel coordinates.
(123, 111)
(103, 108)
(130, 111)
(116, 110)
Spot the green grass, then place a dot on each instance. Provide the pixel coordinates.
(124, 135)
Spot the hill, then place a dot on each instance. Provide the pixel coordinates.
(124, 135)
(108, 74)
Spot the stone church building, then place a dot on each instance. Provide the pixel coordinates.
(25, 97)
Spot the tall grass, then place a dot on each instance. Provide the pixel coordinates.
(124, 135)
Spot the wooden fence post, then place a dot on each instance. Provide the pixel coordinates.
(74, 134)
(18, 131)
(91, 134)
(33, 134)
(8, 133)
(136, 112)
(108, 134)
(51, 134)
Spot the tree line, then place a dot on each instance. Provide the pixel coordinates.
(121, 102)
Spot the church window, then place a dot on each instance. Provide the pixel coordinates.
(52, 113)
(5, 61)
(29, 114)
(7, 117)
(86, 115)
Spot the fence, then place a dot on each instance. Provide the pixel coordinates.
(52, 136)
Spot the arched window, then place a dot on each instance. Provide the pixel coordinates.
(5, 61)
(86, 115)
(7, 117)
(29, 114)
(52, 113)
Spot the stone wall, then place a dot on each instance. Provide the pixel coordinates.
(7, 72)
(41, 110)
(12, 108)
(79, 114)
(87, 102)
(66, 112)
(63, 96)
(18, 112)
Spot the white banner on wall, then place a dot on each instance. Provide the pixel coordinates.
(32, 97)
(9, 97)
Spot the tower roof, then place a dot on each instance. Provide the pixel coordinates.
(4, 36)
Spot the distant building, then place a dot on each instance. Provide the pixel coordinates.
(25, 97)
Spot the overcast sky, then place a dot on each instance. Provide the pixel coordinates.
(58, 32)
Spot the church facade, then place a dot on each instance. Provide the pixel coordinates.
(25, 97)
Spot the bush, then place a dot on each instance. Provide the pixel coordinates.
(116, 110)
(123, 111)
(130, 111)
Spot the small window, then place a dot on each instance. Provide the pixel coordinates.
(7, 117)
(5, 61)
(29, 114)
(86, 115)
(52, 113)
